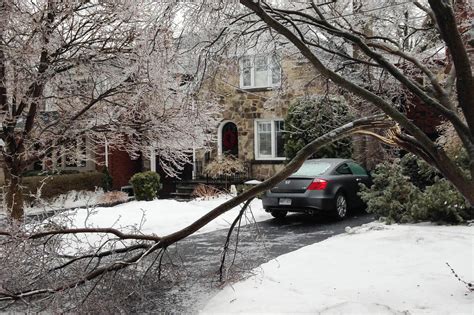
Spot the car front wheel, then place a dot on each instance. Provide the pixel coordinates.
(279, 214)
(341, 206)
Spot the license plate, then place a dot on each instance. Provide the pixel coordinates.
(285, 202)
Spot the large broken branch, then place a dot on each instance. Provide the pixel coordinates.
(442, 161)
(153, 242)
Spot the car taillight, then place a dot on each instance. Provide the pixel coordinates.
(318, 184)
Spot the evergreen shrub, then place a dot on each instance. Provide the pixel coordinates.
(145, 185)
(107, 180)
(421, 174)
(311, 117)
(395, 198)
(440, 202)
(392, 194)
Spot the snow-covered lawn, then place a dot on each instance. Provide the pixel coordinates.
(161, 216)
(72, 199)
(373, 269)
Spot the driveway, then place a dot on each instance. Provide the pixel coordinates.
(196, 260)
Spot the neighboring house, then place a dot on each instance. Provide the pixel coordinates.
(255, 92)
(85, 157)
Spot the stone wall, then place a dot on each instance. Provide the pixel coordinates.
(242, 107)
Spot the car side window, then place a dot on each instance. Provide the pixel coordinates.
(343, 170)
(357, 169)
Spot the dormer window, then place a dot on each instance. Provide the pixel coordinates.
(259, 72)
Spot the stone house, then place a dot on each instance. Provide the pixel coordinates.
(255, 92)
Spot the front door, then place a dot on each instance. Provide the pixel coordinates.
(230, 139)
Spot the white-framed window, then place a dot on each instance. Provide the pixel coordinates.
(269, 143)
(259, 72)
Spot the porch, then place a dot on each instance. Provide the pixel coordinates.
(183, 188)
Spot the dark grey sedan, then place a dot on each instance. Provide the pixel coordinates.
(329, 185)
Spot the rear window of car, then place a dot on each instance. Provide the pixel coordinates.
(357, 169)
(312, 169)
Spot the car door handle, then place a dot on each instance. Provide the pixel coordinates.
(358, 179)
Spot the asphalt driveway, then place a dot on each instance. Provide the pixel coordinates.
(197, 259)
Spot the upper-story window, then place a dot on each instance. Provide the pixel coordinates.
(259, 72)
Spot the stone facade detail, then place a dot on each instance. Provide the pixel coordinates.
(244, 106)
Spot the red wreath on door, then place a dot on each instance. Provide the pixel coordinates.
(229, 139)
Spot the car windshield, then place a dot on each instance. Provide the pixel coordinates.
(312, 169)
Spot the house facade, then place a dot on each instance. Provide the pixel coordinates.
(255, 92)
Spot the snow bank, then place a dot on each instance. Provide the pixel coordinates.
(161, 216)
(72, 199)
(374, 269)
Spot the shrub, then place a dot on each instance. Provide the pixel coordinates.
(107, 180)
(391, 195)
(206, 191)
(113, 197)
(145, 185)
(421, 174)
(311, 117)
(394, 197)
(51, 186)
(224, 166)
(440, 202)
(48, 173)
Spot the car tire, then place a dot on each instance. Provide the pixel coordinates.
(279, 214)
(341, 206)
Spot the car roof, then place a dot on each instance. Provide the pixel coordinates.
(334, 163)
(329, 160)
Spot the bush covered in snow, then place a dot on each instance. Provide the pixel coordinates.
(311, 117)
(146, 185)
(420, 173)
(224, 166)
(206, 192)
(113, 197)
(392, 195)
(71, 199)
(440, 202)
(396, 198)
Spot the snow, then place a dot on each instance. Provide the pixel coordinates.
(372, 269)
(160, 216)
(72, 199)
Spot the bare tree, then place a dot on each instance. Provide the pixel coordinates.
(96, 70)
(311, 28)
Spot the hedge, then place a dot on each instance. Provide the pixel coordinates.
(60, 184)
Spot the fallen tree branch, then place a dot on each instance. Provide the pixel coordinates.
(122, 236)
(229, 234)
(366, 123)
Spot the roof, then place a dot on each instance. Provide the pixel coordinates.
(330, 160)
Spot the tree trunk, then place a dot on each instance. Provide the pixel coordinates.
(14, 194)
(464, 185)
